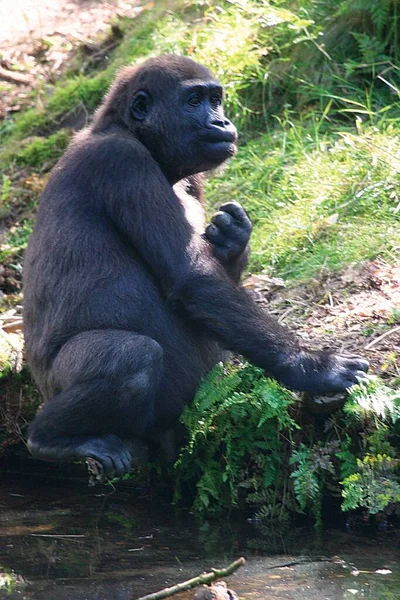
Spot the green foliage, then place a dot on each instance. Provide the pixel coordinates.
(127, 522)
(381, 22)
(317, 201)
(5, 188)
(15, 241)
(242, 441)
(40, 151)
(370, 480)
(309, 477)
(373, 486)
(235, 445)
(373, 401)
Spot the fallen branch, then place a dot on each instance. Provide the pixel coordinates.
(204, 578)
(15, 76)
(381, 337)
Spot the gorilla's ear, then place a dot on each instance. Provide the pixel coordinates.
(140, 105)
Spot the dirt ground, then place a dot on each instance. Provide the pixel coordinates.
(39, 38)
(353, 311)
(24, 19)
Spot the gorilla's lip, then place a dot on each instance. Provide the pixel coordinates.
(216, 136)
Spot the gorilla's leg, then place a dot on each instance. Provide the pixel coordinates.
(102, 387)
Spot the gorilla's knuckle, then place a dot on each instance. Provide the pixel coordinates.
(222, 218)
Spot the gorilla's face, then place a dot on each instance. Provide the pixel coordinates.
(183, 124)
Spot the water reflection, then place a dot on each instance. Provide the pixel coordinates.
(60, 540)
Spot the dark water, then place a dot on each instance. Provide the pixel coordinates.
(60, 540)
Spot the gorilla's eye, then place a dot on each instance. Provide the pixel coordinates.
(216, 100)
(140, 105)
(194, 100)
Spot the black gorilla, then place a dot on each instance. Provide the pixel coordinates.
(129, 299)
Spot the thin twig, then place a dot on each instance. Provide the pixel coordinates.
(204, 578)
(285, 314)
(379, 338)
(59, 535)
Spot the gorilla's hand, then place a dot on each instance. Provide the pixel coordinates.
(229, 232)
(322, 372)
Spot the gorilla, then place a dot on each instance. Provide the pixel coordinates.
(129, 298)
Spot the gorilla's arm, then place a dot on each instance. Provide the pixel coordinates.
(147, 213)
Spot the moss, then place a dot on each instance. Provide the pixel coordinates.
(40, 150)
(80, 91)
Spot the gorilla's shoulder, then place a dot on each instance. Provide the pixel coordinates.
(113, 143)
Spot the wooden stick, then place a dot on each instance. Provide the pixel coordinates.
(204, 578)
(381, 337)
(15, 76)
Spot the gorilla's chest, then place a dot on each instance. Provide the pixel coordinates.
(193, 208)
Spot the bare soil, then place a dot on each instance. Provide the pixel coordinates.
(354, 311)
(39, 38)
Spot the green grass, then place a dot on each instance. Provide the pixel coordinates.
(317, 201)
(41, 150)
(15, 241)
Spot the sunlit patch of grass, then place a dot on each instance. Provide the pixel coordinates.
(15, 240)
(231, 38)
(317, 202)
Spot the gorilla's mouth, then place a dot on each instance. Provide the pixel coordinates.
(217, 136)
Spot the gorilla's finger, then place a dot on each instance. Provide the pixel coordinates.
(213, 234)
(223, 220)
(237, 212)
(348, 383)
(119, 467)
(107, 463)
(126, 461)
(355, 376)
(354, 362)
(360, 364)
(361, 375)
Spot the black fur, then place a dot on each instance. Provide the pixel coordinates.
(129, 298)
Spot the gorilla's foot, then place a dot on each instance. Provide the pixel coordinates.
(109, 452)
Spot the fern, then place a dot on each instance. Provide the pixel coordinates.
(380, 12)
(234, 428)
(372, 401)
(372, 49)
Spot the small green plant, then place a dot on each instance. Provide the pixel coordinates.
(373, 402)
(127, 523)
(4, 196)
(374, 486)
(312, 466)
(394, 316)
(5, 188)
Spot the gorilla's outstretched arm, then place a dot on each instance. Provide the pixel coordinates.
(196, 284)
